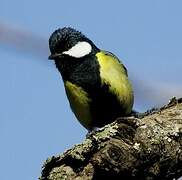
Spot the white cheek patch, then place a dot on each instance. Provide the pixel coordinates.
(81, 49)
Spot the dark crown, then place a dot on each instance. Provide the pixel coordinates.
(65, 38)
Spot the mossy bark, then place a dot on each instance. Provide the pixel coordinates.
(135, 148)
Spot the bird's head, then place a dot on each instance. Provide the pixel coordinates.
(68, 42)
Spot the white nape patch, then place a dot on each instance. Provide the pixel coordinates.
(81, 49)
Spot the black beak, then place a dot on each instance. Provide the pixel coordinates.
(54, 56)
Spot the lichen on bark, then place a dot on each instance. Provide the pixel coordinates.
(136, 148)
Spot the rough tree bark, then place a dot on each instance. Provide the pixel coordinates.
(130, 148)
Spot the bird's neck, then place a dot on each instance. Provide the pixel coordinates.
(83, 72)
(67, 66)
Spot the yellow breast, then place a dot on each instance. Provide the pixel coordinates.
(79, 102)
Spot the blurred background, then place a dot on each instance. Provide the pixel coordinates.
(35, 119)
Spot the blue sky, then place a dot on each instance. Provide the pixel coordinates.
(35, 119)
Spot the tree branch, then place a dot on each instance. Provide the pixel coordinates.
(146, 148)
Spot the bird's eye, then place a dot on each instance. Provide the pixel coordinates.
(79, 50)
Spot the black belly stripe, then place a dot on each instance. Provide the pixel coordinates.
(105, 107)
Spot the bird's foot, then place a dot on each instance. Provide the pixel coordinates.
(92, 131)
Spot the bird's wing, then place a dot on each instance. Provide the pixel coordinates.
(114, 74)
(112, 56)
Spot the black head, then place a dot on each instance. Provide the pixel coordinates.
(70, 42)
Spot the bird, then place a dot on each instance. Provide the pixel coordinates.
(96, 82)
